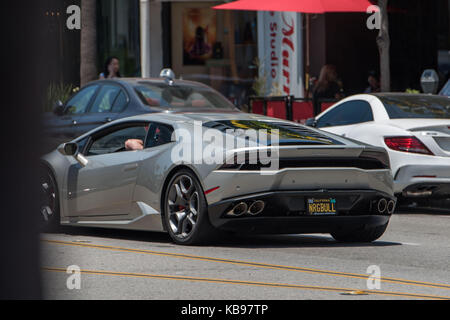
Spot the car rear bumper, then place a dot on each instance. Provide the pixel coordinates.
(286, 212)
(423, 181)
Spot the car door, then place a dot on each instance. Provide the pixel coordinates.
(346, 116)
(109, 102)
(104, 187)
(62, 128)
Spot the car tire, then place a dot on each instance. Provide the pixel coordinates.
(365, 235)
(184, 202)
(49, 202)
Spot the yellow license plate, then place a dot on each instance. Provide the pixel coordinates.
(321, 206)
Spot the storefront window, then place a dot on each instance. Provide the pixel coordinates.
(216, 47)
(118, 34)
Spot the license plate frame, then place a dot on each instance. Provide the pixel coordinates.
(321, 206)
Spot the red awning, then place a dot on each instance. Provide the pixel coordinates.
(305, 6)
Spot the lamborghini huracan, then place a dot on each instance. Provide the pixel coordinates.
(129, 174)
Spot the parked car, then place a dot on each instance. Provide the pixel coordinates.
(103, 101)
(414, 129)
(322, 182)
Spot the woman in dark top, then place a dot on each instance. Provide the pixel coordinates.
(111, 69)
(327, 87)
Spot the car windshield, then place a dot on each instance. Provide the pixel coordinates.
(180, 96)
(417, 106)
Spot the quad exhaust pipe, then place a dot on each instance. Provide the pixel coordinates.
(391, 206)
(382, 205)
(386, 206)
(238, 210)
(255, 208)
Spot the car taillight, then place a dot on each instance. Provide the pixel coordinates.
(407, 144)
(382, 157)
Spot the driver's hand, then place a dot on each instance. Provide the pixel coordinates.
(134, 144)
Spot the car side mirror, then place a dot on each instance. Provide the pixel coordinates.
(311, 122)
(58, 108)
(71, 149)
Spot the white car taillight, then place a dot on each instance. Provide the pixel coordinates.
(407, 144)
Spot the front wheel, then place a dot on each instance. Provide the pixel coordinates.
(185, 210)
(49, 202)
(365, 235)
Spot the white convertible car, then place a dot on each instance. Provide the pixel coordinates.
(414, 128)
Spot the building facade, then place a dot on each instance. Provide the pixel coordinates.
(419, 32)
(232, 50)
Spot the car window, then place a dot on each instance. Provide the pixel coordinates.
(417, 106)
(120, 102)
(159, 134)
(351, 112)
(80, 101)
(105, 98)
(180, 96)
(115, 141)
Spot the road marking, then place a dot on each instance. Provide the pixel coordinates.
(249, 283)
(251, 264)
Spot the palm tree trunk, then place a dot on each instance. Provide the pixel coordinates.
(88, 42)
(383, 42)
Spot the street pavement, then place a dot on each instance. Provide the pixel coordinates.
(412, 256)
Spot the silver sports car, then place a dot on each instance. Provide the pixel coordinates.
(191, 174)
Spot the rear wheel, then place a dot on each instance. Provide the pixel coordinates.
(49, 202)
(185, 210)
(365, 235)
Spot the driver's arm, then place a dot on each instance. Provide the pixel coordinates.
(134, 144)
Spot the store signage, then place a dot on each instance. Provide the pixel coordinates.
(279, 52)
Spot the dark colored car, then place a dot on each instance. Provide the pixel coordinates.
(103, 101)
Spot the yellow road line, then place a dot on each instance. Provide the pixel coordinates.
(250, 283)
(252, 264)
